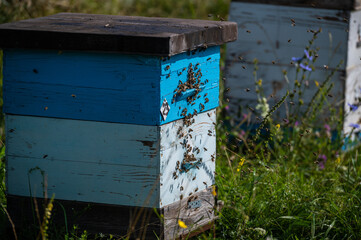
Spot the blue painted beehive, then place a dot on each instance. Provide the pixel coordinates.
(114, 111)
(275, 31)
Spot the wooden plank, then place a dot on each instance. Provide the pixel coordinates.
(126, 34)
(329, 4)
(171, 152)
(94, 217)
(353, 80)
(118, 220)
(83, 160)
(176, 69)
(192, 217)
(102, 86)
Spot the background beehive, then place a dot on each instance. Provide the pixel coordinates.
(273, 39)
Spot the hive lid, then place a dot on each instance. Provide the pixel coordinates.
(139, 35)
(328, 4)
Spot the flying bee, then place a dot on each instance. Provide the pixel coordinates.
(247, 89)
(227, 89)
(248, 31)
(244, 67)
(289, 40)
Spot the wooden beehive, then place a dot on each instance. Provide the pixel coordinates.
(116, 113)
(274, 31)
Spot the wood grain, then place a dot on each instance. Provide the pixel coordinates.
(328, 4)
(171, 151)
(104, 87)
(83, 160)
(126, 34)
(192, 217)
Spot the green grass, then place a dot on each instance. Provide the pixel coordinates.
(280, 191)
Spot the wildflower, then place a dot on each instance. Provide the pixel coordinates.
(226, 107)
(297, 123)
(214, 191)
(308, 55)
(317, 84)
(327, 127)
(353, 107)
(305, 67)
(263, 106)
(338, 160)
(182, 224)
(296, 59)
(278, 126)
(323, 159)
(354, 125)
(259, 83)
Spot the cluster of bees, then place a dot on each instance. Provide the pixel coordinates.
(194, 84)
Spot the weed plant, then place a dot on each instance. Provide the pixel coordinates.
(287, 180)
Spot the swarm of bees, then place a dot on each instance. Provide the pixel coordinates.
(193, 82)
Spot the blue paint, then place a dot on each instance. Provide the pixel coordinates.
(106, 87)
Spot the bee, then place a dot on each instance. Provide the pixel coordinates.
(210, 134)
(45, 108)
(244, 67)
(209, 115)
(190, 194)
(206, 100)
(205, 183)
(35, 71)
(45, 156)
(227, 89)
(292, 103)
(325, 66)
(181, 197)
(197, 167)
(273, 62)
(184, 69)
(289, 40)
(176, 176)
(168, 75)
(194, 178)
(193, 104)
(205, 95)
(167, 67)
(195, 190)
(248, 31)
(181, 188)
(209, 58)
(330, 95)
(227, 100)
(247, 89)
(251, 109)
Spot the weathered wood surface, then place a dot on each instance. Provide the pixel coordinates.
(135, 222)
(107, 163)
(105, 87)
(192, 217)
(171, 152)
(272, 38)
(328, 4)
(94, 217)
(126, 34)
(83, 160)
(353, 81)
